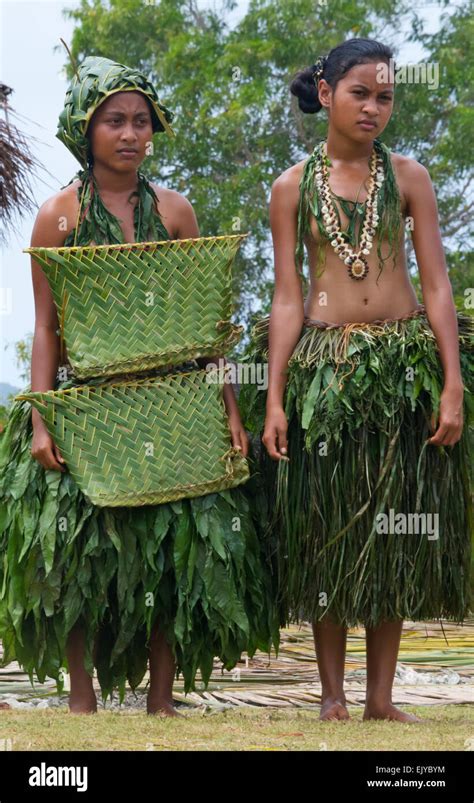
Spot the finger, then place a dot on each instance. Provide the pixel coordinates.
(453, 435)
(269, 442)
(438, 438)
(51, 464)
(55, 466)
(235, 438)
(244, 442)
(55, 460)
(282, 441)
(239, 441)
(58, 455)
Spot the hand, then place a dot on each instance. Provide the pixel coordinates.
(240, 439)
(274, 435)
(450, 423)
(45, 451)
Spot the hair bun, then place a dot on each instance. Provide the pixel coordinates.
(305, 89)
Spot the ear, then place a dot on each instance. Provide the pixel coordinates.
(324, 93)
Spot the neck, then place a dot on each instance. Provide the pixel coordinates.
(110, 182)
(342, 149)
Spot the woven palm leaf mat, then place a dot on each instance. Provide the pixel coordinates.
(120, 440)
(174, 296)
(429, 672)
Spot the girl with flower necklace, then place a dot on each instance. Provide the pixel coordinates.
(365, 449)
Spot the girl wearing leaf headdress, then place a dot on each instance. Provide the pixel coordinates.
(365, 449)
(75, 578)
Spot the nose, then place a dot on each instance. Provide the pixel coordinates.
(370, 106)
(128, 133)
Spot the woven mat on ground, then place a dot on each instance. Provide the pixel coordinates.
(429, 671)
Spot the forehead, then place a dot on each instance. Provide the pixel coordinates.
(377, 75)
(126, 102)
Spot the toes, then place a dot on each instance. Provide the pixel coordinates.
(334, 711)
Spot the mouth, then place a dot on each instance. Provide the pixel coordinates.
(128, 152)
(367, 124)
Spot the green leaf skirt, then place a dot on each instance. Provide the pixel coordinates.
(358, 400)
(200, 568)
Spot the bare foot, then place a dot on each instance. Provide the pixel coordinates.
(389, 712)
(82, 699)
(334, 709)
(82, 703)
(162, 708)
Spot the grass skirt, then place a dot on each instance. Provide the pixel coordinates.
(358, 401)
(199, 567)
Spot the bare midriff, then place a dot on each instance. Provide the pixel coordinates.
(335, 297)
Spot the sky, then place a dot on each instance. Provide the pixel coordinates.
(30, 30)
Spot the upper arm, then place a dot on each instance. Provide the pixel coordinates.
(423, 209)
(186, 221)
(283, 221)
(46, 233)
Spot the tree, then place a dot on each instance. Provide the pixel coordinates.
(238, 127)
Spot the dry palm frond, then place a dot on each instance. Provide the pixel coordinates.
(292, 679)
(17, 166)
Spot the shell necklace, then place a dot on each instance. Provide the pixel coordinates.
(357, 266)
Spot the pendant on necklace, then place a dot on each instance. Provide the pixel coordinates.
(358, 269)
(357, 266)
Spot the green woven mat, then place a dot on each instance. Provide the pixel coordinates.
(131, 307)
(144, 442)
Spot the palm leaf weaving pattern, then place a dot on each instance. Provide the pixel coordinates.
(138, 306)
(145, 442)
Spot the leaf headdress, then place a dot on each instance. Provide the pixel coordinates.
(95, 80)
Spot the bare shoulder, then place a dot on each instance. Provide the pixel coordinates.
(413, 179)
(56, 217)
(177, 212)
(290, 177)
(285, 188)
(170, 198)
(66, 196)
(408, 171)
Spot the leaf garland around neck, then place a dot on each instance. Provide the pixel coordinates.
(358, 211)
(388, 206)
(97, 224)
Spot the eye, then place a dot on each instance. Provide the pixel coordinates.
(358, 92)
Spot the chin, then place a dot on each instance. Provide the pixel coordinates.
(363, 136)
(126, 164)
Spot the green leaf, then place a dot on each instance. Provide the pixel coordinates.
(182, 542)
(310, 400)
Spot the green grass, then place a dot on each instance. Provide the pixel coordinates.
(445, 728)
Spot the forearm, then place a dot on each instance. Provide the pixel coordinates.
(44, 364)
(229, 393)
(441, 314)
(286, 322)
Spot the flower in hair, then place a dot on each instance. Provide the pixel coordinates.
(319, 69)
